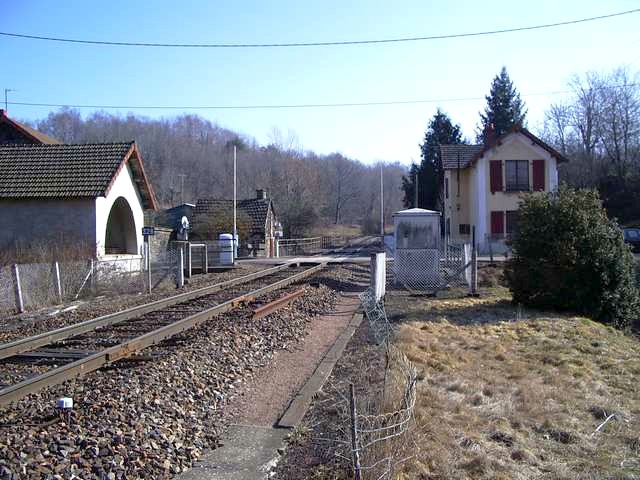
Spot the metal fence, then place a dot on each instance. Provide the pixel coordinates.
(372, 427)
(289, 247)
(431, 270)
(30, 286)
(35, 285)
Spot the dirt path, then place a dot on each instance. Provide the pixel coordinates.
(265, 398)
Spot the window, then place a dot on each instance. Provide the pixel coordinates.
(497, 224)
(512, 221)
(517, 175)
(446, 188)
(464, 229)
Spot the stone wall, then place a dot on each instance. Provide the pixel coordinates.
(159, 243)
(42, 221)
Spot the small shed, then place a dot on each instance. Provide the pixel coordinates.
(417, 255)
(417, 228)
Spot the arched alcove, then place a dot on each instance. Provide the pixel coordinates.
(121, 229)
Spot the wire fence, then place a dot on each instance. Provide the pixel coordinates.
(371, 429)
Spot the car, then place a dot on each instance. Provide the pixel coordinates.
(632, 237)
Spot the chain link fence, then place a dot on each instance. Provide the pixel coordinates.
(421, 269)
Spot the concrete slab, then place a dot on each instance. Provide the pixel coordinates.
(248, 453)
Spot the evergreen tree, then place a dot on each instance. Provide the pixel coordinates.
(504, 107)
(440, 131)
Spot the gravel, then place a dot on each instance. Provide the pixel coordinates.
(153, 419)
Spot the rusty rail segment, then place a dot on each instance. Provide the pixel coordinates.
(125, 349)
(278, 303)
(30, 343)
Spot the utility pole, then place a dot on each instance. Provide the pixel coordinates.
(235, 226)
(182, 175)
(381, 205)
(415, 202)
(6, 101)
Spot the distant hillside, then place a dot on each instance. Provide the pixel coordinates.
(309, 190)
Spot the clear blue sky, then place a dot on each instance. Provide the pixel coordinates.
(538, 61)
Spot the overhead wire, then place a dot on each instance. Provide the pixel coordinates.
(293, 106)
(318, 44)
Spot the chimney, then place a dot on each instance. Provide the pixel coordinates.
(261, 194)
(490, 135)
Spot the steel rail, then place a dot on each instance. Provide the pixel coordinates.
(129, 347)
(277, 304)
(30, 343)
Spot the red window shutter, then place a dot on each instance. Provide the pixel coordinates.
(495, 175)
(497, 223)
(538, 175)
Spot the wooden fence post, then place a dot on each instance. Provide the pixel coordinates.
(17, 288)
(357, 473)
(57, 285)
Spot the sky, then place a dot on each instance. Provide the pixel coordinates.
(539, 62)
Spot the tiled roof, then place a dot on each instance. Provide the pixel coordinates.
(255, 209)
(461, 156)
(458, 156)
(67, 170)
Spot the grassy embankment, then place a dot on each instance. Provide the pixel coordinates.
(512, 393)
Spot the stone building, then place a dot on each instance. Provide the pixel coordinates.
(258, 213)
(89, 194)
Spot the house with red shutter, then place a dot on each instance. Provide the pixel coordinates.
(483, 184)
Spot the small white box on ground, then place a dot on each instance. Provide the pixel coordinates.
(64, 403)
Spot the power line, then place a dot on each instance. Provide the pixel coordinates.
(318, 44)
(293, 106)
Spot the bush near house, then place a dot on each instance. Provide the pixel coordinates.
(569, 255)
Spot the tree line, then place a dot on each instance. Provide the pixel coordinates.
(188, 157)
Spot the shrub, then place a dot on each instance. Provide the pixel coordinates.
(569, 255)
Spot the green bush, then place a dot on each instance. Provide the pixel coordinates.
(569, 255)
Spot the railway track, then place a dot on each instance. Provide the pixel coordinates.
(87, 346)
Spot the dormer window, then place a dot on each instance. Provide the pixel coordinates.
(517, 175)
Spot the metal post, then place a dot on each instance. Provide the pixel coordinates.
(381, 206)
(148, 262)
(205, 260)
(17, 288)
(57, 285)
(474, 264)
(93, 276)
(188, 260)
(180, 276)
(490, 250)
(354, 434)
(235, 192)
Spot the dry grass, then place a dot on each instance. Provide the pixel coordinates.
(505, 393)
